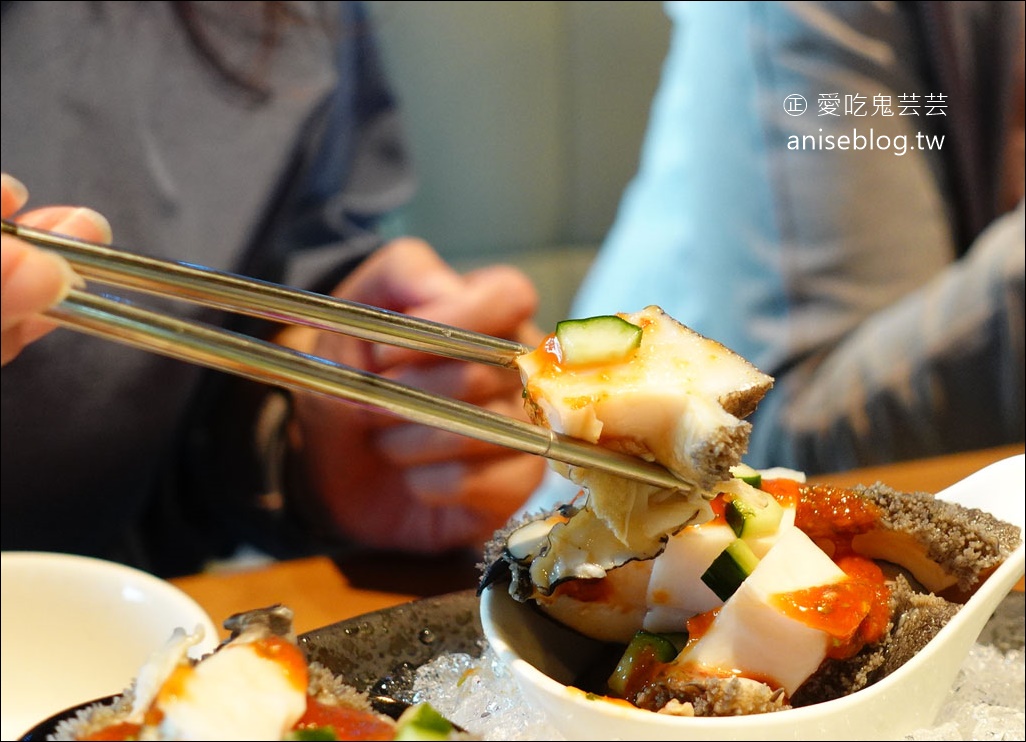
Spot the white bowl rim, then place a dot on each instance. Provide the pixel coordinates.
(171, 600)
(164, 587)
(764, 726)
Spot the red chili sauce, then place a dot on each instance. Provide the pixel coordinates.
(856, 611)
(348, 724)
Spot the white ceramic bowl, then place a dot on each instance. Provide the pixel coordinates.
(76, 628)
(544, 656)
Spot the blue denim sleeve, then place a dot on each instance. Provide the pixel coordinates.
(790, 205)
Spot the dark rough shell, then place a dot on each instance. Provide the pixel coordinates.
(967, 542)
(916, 618)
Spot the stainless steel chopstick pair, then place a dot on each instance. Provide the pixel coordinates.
(274, 364)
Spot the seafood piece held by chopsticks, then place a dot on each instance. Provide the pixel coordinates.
(643, 384)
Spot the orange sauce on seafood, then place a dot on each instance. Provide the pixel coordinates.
(852, 612)
(834, 515)
(874, 625)
(287, 656)
(348, 723)
(699, 624)
(586, 591)
(590, 696)
(718, 505)
(549, 350)
(121, 731)
(175, 686)
(551, 362)
(785, 491)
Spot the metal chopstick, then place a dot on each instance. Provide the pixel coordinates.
(267, 362)
(221, 290)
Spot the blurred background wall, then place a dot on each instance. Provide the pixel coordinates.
(525, 120)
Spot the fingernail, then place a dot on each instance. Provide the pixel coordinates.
(98, 220)
(71, 279)
(60, 284)
(17, 189)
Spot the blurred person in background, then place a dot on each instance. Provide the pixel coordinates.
(879, 280)
(258, 138)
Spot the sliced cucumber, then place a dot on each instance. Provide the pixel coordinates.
(678, 639)
(746, 474)
(750, 520)
(646, 649)
(311, 734)
(423, 722)
(603, 339)
(730, 569)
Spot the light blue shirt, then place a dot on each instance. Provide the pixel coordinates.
(832, 248)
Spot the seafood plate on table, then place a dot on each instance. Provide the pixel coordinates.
(257, 685)
(741, 604)
(744, 604)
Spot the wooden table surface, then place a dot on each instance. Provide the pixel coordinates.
(322, 591)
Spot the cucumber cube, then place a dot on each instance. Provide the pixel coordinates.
(730, 569)
(603, 339)
(750, 520)
(423, 722)
(645, 650)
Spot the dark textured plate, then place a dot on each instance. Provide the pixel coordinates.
(377, 652)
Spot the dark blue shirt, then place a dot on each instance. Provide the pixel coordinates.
(203, 142)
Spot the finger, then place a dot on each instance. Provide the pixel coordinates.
(414, 445)
(470, 382)
(403, 273)
(14, 340)
(497, 301)
(476, 384)
(73, 221)
(408, 276)
(493, 487)
(13, 195)
(31, 281)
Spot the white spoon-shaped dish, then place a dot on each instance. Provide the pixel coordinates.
(77, 628)
(543, 655)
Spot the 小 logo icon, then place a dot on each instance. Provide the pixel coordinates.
(795, 104)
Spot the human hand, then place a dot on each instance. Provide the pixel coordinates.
(31, 279)
(392, 484)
